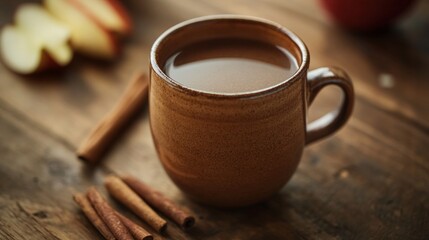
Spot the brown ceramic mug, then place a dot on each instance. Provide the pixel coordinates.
(234, 150)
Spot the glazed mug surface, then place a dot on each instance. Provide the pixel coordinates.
(236, 149)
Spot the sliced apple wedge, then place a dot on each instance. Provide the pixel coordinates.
(21, 53)
(110, 13)
(88, 36)
(46, 31)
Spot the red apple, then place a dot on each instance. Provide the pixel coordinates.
(21, 54)
(365, 15)
(37, 42)
(46, 30)
(88, 35)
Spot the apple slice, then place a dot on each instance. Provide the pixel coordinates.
(46, 31)
(21, 53)
(87, 35)
(110, 13)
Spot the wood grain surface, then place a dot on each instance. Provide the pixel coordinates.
(368, 181)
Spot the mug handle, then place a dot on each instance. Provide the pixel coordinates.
(331, 122)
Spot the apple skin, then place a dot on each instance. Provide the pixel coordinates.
(120, 10)
(365, 15)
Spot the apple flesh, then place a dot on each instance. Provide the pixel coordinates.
(109, 13)
(88, 35)
(365, 15)
(46, 31)
(44, 37)
(36, 42)
(21, 54)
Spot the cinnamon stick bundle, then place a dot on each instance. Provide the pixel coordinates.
(160, 202)
(137, 231)
(92, 215)
(108, 215)
(120, 191)
(94, 146)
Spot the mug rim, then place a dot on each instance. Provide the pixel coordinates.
(274, 88)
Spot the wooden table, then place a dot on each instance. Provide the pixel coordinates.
(368, 181)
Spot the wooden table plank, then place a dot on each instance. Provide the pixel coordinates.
(37, 176)
(370, 180)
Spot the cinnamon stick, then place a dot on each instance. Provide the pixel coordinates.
(92, 215)
(137, 231)
(120, 191)
(157, 200)
(108, 215)
(94, 146)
